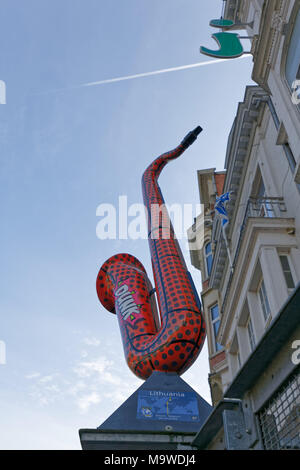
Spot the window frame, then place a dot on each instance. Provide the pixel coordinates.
(217, 347)
(250, 334)
(285, 52)
(206, 257)
(265, 312)
(291, 271)
(238, 358)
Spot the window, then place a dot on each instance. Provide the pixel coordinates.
(208, 258)
(215, 321)
(265, 207)
(293, 57)
(261, 206)
(292, 63)
(250, 332)
(264, 302)
(290, 156)
(238, 356)
(287, 271)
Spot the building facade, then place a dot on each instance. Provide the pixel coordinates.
(251, 276)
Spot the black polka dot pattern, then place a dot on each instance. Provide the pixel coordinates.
(123, 288)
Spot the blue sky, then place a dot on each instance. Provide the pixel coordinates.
(67, 149)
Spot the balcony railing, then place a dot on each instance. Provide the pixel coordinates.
(264, 207)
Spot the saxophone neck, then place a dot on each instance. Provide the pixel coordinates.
(159, 163)
(191, 137)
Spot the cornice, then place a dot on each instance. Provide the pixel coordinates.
(238, 151)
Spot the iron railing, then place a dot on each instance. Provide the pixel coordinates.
(265, 207)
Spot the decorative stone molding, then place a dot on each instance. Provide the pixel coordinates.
(272, 28)
(277, 21)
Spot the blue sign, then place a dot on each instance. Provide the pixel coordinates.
(173, 406)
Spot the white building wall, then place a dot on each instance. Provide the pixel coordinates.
(265, 239)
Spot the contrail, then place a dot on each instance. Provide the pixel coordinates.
(156, 72)
(145, 74)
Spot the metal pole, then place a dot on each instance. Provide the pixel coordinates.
(227, 248)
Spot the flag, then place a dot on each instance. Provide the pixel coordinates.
(221, 209)
(223, 214)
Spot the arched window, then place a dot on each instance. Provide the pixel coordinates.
(208, 258)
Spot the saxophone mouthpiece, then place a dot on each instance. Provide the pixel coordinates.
(191, 137)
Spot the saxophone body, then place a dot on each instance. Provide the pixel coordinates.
(169, 338)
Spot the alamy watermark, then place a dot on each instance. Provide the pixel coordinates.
(2, 353)
(296, 355)
(296, 92)
(130, 221)
(2, 92)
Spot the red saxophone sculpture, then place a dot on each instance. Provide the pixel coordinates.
(172, 340)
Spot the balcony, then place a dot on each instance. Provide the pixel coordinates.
(265, 214)
(268, 214)
(264, 207)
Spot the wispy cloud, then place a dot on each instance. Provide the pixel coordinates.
(94, 377)
(46, 378)
(34, 375)
(91, 341)
(88, 368)
(43, 390)
(87, 400)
